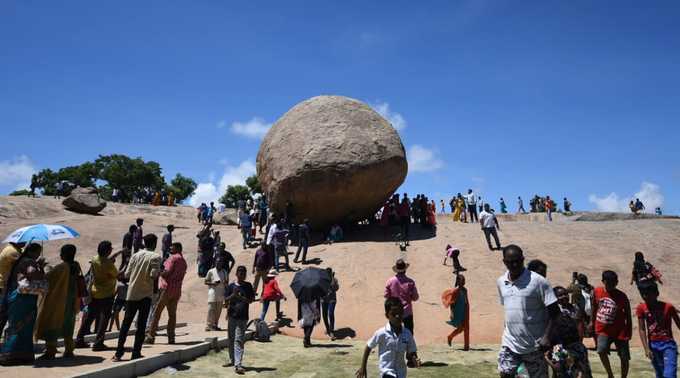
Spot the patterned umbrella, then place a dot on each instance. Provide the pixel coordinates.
(41, 232)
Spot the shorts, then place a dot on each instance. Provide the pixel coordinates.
(622, 348)
(534, 362)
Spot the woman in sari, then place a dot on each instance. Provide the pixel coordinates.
(61, 305)
(432, 214)
(457, 301)
(25, 283)
(457, 208)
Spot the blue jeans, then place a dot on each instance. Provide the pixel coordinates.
(665, 360)
(265, 308)
(245, 231)
(328, 312)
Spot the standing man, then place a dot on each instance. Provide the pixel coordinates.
(530, 307)
(303, 243)
(567, 205)
(239, 295)
(137, 237)
(441, 201)
(246, 223)
(613, 322)
(141, 272)
(404, 288)
(520, 206)
(261, 265)
(404, 211)
(489, 224)
(166, 243)
(170, 285)
(471, 201)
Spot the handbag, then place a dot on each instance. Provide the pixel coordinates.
(84, 286)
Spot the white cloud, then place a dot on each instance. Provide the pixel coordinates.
(649, 193)
(421, 159)
(16, 172)
(256, 128)
(212, 191)
(396, 119)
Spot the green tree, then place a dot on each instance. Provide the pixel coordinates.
(129, 175)
(47, 180)
(21, 192)
(183, 187)
(253, 183)
(233, 194)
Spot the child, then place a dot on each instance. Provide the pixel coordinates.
(582, 297)
(271, 293)
(217, 280)
(655, 327)
(644, 271)
(119, 302)
(452, 253)
(570, 357)
(456, 300)
(391, 339)
(613, 323)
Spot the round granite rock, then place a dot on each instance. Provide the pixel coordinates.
(334, 158)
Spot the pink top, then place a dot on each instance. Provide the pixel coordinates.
(403, 288)
(172, 283)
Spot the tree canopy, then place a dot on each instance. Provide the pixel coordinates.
(234, 194)
(129, 175)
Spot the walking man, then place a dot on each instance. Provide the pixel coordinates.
(170, 285)
(137, 237)
(520, 206)
(530, 306)
(489, 224)
(239, 295)
(404, 288)
(471, 201)
(166, 243)
(141, 272)
(303, 243)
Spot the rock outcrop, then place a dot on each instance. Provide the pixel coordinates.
(334, 158)
(84, 200)
(227, 217)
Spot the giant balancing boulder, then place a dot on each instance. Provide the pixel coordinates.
(334, 158)
(84, 200)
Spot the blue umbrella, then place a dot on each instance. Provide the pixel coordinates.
(41, 232)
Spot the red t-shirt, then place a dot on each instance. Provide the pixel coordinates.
(659, 322)
(271, 291)
(612, 313)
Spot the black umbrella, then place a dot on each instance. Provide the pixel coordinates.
(310, 284)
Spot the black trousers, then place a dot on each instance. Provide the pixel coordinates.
(405, 225)
(491, 231)
(302, 246)
(99, 310)
(308, 333)
(408, 323)
(472, 210)
(131, 309)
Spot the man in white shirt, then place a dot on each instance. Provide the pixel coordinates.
(394, 342)
(530, 307)
(489, 224)
(217, 280)
(471, 201)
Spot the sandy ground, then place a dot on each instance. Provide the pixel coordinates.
(363, 263)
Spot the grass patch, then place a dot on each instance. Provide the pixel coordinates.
(285, 357)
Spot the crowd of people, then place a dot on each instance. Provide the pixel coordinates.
(466, 207)
(544, 325)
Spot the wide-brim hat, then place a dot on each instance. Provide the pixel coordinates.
(400, 266)
(272, 273)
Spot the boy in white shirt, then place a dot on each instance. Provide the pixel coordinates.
(394, 341)
(217, 280)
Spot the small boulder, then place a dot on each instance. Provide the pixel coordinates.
(84, 200)
(227, 217)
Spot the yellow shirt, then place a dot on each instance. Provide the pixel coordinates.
(104, 275)
(8, 257)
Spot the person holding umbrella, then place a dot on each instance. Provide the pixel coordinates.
(309, 286)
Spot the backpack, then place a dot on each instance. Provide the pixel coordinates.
(262, 333)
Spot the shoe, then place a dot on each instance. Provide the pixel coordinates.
(228, 364)
(171, 341)
(208, 329)
(136, 357)
(68, 355)
(461, 269)
(115, 359)
(448, 341)
(296, 261)
(99, 347)
(149, 340)
(217, 329)
(81, 344)
(239, 370)
(46, 357)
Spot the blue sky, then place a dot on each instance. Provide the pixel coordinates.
(575, 98)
